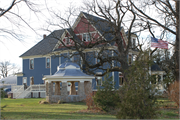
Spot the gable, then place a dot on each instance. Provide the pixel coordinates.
(83, 26)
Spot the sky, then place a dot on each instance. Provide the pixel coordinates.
(10, 47)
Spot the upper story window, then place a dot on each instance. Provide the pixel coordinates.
(48, 62)
(31, 64)
(86, 37)
(133, 43)
(67, 41)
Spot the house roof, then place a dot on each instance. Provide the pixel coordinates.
(155, 67)
(46, 45)
(102, 25)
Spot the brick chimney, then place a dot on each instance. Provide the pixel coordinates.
(44, 36)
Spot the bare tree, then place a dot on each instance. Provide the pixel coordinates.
(168, 12)
(7, 68)
(112, 46)
(10, 12)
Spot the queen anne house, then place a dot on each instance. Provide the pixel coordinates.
(44, 58)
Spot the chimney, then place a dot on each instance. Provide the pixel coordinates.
(44, 36)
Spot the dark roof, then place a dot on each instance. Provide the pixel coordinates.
(155, 67)
(102, 25)
(8, 81)
(46, 45)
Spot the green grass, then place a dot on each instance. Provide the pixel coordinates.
(31, 109)
(168, 109)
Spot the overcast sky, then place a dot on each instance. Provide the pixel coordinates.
(11, 48)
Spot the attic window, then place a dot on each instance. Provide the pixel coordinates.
(86, 37)
(67, 40)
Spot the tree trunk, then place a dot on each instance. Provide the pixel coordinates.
(177, 43)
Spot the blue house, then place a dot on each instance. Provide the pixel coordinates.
(44, 58)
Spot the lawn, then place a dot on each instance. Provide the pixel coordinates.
(31, 109)
(168, 109)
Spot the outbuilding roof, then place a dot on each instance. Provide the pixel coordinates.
(69, 69)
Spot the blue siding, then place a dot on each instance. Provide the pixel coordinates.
(54, 64)
(40, 68)
(38, 71)
(19, 80)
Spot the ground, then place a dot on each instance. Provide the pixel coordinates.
(31, 109)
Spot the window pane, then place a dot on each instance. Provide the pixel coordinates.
(88, 37)
(31, 64)
(48, 62)
(67, 41)
(84, 37)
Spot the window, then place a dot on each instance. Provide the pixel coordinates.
(159, 79)
(133, 43)
(24, 80)
(48, 62)
(121, 79)
(67, 41)
(86, 37)
(96, 57)
(98, 81)
(31, 64)
(129, 59)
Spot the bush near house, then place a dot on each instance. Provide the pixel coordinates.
(106, 97)
(138, 96)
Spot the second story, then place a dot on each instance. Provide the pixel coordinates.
(57, 47)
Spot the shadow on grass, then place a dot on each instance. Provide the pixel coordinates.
(53, 115)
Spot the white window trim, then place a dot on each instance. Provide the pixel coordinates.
(98, 73)
(132, 42)
(30, 63)
(66, 40)
(49, 62)
(97, 79)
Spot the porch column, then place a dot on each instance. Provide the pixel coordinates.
(81, 91)
(64, 92)
(52, 90)
(73, 89)
(57, 89)
(49, 92)
(162, 84)
(87, 87)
